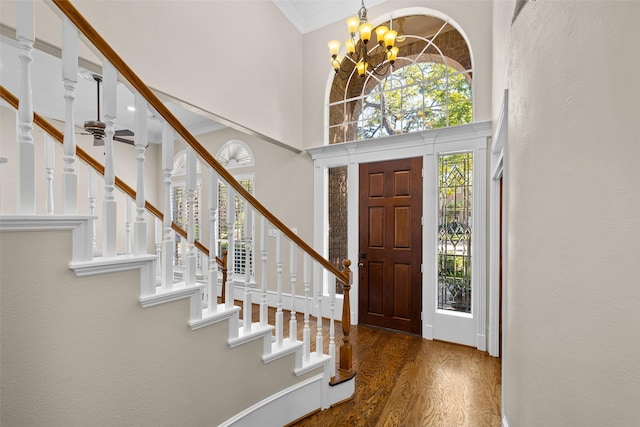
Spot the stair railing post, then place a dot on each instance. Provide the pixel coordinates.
(190, 258)
(279, 313)
(49, 161)
(158, 245)
(264, 307)
(167, 232)
(332, 325)
(306, 330)
(91, 190)
(293, 266)
(231, 215)
(70, 80)
(212, 278)
(140, 138)
(319, 336)
(110, 217)
(247, 309)
(127, 225)
(26, 159)
(346, 352)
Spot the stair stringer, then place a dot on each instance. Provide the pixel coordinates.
(307, 395)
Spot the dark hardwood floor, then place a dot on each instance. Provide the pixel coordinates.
(405, 380)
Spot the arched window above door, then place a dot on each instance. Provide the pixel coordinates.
(428, 86)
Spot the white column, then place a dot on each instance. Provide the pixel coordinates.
(167, 233)
(190, 258)
(26, 159)
(279, 314)
(306, 331)
(293, 266)
(247, 311)
(212, 282)
(70, 79)
(231, 214)
(140, 245)
(110, 216)
(264, 307)
(49, 161)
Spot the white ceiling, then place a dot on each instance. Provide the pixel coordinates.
(309, 15)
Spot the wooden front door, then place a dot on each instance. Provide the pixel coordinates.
(390, 247)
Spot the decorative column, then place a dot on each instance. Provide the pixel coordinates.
(127, 225)
(70, 79)
(167, 232)
(110, 217)
(319, 337)
(140, 233)
(332, 325)
(26, 158)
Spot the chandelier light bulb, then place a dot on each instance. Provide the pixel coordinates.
(351, 46)
(334, 47)
(352, 25)
(390, 38)
(365, 32)
(362, 68)
(380, 32)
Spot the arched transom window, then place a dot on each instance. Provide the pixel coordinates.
(429, 85)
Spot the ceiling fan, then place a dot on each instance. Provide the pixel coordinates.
(97, 127)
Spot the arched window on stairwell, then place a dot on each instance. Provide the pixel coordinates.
(179, 209)
(237, 157)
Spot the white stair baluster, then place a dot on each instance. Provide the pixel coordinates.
(190, 256)
(279, 314)
(319, 337)
(293, 261)
(110, 216)
(212, 282)
(332, 337)
(167, 232)
(49, 161)
(127, 225)
(3, 160)
(158, 245)
(26, 157)
(70, 79)
(231, 215)
(247, 311)
(91, 190)
(264, 308)
(140, 245)
(306, 331)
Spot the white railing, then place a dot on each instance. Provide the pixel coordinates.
(272, 262)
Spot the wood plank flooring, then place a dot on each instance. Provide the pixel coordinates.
(405, 380)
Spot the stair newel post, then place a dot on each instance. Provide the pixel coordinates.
(190, 259)
(231, 214)
(92, 188)
(167, 233)
(332, 324)
(319, 336)
(345, 349)
(26, 163)
(264, 308)
(293, 267)
(110, 217)
(140, 233)
(70, 80)
(306, 331)
(48, 167)
(212, 282)
(279, 313)
(247, 311)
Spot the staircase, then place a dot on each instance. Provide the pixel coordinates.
(95, 331)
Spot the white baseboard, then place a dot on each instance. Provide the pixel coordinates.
(504, 421)
(283, 407)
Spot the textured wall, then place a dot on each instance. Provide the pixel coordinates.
(573, 324)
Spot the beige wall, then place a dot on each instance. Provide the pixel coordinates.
(474, 17)
(81, 351)
(572, 327)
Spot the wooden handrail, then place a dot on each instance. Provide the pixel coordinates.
(45, 125)
(127, 73)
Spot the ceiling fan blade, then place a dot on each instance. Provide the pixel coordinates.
(124, 132)
(126, 141)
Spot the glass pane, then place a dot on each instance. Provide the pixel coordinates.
(455, 231)
(338, 218)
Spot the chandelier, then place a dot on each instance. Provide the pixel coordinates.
(360, 54)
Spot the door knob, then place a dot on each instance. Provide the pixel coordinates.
(360, 264)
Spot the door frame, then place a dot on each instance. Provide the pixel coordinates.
(428, 144)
